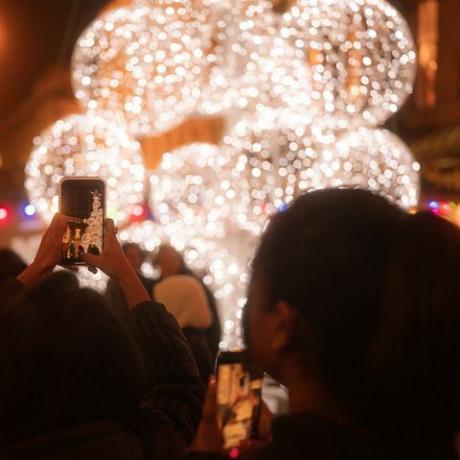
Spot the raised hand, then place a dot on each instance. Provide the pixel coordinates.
(49, 252)
(114, 263)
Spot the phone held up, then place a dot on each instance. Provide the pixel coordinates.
(82, 199)
(239, 397)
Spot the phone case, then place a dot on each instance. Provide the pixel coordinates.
(82, 199)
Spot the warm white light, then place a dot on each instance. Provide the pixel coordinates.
(252, 67)
(83, 145)
(374, 159)
(142, 67)
(361, 54)
(270, 167)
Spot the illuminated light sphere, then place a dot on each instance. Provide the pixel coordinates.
(253, 68)
(82, 145)
(373, 159)
(183, 196)
(361, 54)
(141, 67)
(270, 168)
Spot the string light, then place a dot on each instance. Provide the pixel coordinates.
(373, 159)
(142, 66)
(361, 54)
(252, 67)
(270, 168)
(83, 145)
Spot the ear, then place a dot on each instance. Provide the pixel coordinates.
(283, 321)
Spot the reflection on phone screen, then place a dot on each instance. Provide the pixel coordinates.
(83, 202)
(238, 400)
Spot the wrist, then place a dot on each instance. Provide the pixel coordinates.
(33, 273)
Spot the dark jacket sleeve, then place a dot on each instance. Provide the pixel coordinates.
(10, 289)
(172, 406)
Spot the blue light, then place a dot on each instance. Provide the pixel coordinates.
(434, 205)
(29, 210)
(283, 207)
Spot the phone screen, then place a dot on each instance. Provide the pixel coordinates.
(83, 201)
(239, 392)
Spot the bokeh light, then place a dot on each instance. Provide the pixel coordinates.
(183, 196)
(361, 54)
(374, 159)
(142, 67)
(253, 68)
(83, 145)
(270, 168)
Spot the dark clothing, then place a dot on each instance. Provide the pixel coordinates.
(201, 352)
(116, 299)
(171, 408)
(304, 436)
(212, 333)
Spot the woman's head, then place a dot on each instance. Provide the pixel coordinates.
(170, 261)
(348, 288)
(64, 360)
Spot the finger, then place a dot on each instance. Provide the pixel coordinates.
(58, 225)
(210, 403)
(109, 231)
(92, 260)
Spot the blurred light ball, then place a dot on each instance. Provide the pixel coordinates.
(82, 145)
(141, 67)
(3, 213)
(29, 210)
(373, 159)
(252, 67)
(183, 196)
(361, 55)
(270, 168)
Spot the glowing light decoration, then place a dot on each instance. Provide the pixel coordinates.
(252, 67)
(142, 67)
(373, 159)
(183, 196)
(82, 145)
(270, 168)
(361, 54)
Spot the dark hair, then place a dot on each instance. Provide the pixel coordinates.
(64, 360)
(10, 264)
(183, 269)
(376, 291)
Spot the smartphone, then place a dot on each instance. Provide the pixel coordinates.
(239, 397)
(82, 199)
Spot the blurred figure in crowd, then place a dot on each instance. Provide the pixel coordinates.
(353, 306)
(76, 383)
(185, 298)
(170, 262)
